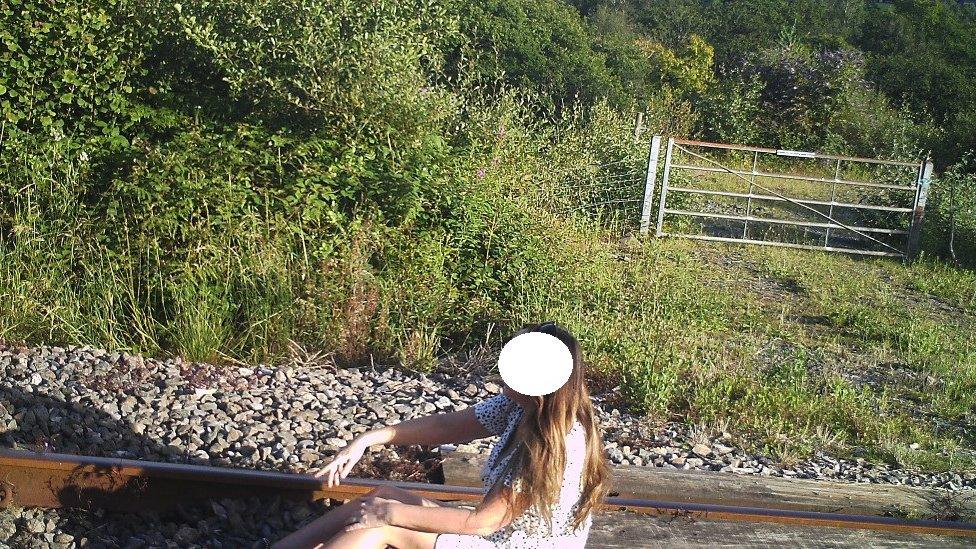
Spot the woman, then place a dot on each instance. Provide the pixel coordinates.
(544, 477)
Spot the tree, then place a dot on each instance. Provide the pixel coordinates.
(539, 44)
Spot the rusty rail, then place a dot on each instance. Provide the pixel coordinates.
(30, 479)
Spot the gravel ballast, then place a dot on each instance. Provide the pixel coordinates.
(293, 418)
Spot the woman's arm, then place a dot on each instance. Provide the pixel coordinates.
(461, 426)
(454, 427)
(485, 519)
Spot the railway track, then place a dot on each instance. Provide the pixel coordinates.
(30, 479)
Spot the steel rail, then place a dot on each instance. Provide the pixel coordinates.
(57, 480)
(783, 244)
(801, 202)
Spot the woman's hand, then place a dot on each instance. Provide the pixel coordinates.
(373, 512)
(342, 463)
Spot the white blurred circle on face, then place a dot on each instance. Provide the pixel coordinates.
(535, 363)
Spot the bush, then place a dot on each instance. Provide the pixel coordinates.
(311, 65)
(866, 123)
(67, 68)
(539, 45)
(949, 229)
(729, 110)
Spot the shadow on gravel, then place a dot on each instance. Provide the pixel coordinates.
(44, 423)
(42, 420)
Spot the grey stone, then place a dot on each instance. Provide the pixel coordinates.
(233, 435)
(721, 449)
(378, 408)
(702, 450)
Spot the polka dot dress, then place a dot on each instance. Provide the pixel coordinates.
(501, 416)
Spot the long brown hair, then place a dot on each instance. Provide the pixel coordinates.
(539, 459)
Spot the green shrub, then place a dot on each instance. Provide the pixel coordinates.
(235, 181)
(67, 68)
(356, 69)
(729, 109)
(540, 45)
(949, 229)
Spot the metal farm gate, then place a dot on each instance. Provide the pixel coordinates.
(779, 197)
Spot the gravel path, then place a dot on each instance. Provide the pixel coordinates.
(293, 418)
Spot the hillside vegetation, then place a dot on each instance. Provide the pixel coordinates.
(399, 181)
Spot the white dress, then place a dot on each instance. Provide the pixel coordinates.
(501, 416)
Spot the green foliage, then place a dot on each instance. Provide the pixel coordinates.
(918, 55)
(222, 180)
(653, 384)
(670, 22)
(749, 25)
(866, 123)
(308, 63)
(730, 110)
(687, 69)
(542, 45)
(956, 287)
(66, 68)
(950, 220)
(203, 180)
(923, 52)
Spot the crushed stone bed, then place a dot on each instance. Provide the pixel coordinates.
(228, 523)
(80, 400)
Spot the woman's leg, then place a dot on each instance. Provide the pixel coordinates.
(381, 537)
(321, 529)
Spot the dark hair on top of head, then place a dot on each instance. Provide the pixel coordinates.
(553, 329)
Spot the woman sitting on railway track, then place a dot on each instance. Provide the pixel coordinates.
(543, 478)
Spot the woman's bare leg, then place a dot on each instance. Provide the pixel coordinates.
(381, 537)
(320, 530)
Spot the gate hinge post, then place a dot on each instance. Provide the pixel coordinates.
(649, 182)
(918, 211)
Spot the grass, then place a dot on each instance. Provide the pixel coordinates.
(795, 351)
(791, 351)
(880, 363)
(951, 286)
